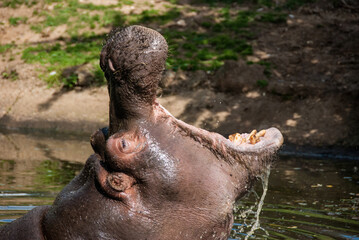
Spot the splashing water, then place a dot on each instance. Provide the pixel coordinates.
(250, 216)
(256, 225)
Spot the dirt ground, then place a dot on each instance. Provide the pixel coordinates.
(312, 94)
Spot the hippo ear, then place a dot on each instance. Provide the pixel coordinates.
(105, 61)
(110, 65)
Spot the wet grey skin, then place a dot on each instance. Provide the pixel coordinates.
(151, 176)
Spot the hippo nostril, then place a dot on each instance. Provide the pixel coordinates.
(120, 181)
(115, 182)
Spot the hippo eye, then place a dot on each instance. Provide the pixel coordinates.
(124, 144)
(127, 143)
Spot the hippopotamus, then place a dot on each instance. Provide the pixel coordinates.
(151, 176)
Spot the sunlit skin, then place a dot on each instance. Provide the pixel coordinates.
(151, 176)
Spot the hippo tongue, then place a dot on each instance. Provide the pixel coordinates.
(224, 148)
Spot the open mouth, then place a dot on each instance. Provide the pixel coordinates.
(268, 141)
(265, 139)
(239, 148)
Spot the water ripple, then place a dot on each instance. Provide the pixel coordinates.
(16, 208)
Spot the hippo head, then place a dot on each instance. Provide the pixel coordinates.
(153, 176)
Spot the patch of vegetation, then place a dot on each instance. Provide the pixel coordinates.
(10, 75)
(288, 4)
(36, 28)
(273, 17)
(294, 4)
(15, 3)
(267, 67)
(76, 16)
(14, 21)
(57, 57)
(267, 70)
(223, 40)
(235, 23)
(223, 36)
(70, 81)
(69, 55)
(152, 15)
(189, 50)
(4, 48)
(227, 39)
(262, 83)
(99, 77)
(207, 51)
(113, 18)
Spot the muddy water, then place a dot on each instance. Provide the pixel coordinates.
(306, 198)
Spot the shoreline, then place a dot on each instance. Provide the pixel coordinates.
(288, 150)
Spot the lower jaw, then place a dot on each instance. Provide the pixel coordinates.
(270, 143)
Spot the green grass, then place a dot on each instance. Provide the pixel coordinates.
(57, 58)
(262, 83)
(16, 3)
(224, 40)
(14, 21)
(294, 4)
(112, 18)
(207, 51)
(267, 67)
(188, 50)
(10, 75)
(152, 15)
(287, 4)
(69, 55)
(76, 16)
(99, 77)
(224, 36)
(4, 48)
(273, 17)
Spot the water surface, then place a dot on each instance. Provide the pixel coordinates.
(306, 199)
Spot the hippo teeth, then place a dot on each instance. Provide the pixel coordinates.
(251, 138)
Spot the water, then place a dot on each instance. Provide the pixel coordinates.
(306, 198)
(34, 168)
